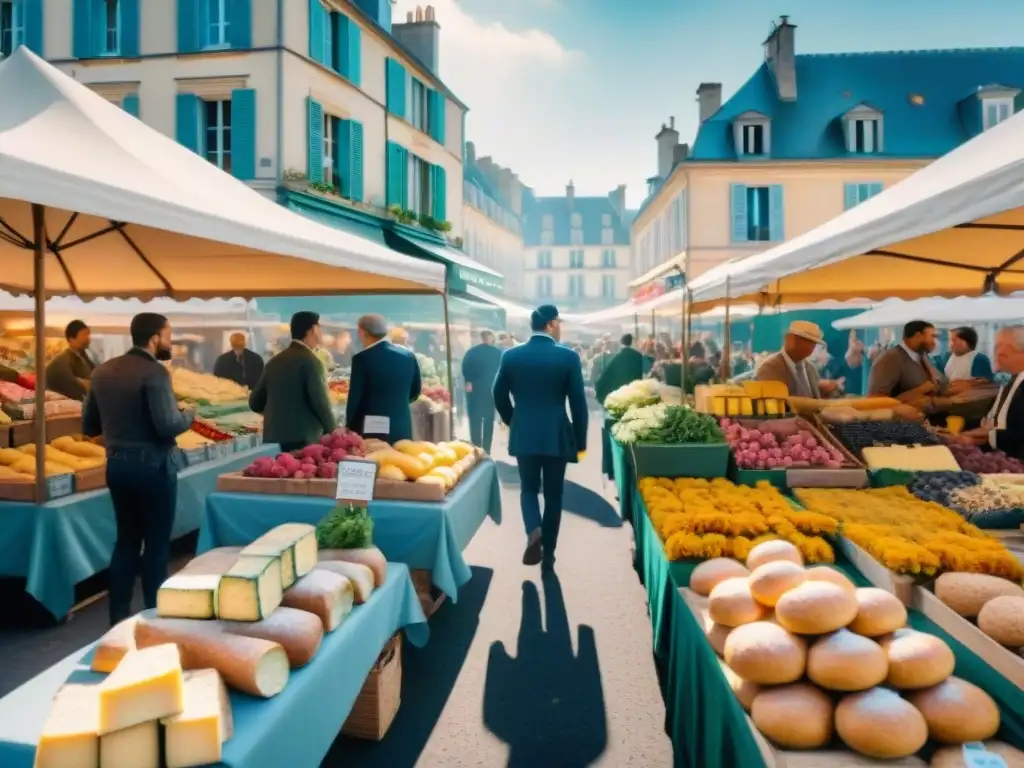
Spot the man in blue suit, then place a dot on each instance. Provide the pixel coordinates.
(533, 384)
(385, 379)
(479, 369)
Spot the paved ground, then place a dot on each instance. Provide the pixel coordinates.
(523, 671)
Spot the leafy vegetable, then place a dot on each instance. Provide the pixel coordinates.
(666, 424)
(345, 527)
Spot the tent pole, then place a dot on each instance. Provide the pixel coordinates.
(636, 328)
(684, 346)
(654, 329)
(39, 294)
(727, 336)
(448, 357)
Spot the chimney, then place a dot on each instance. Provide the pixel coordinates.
(420, 34)
(516, 198)
(618, 200)
(682, 151)
(780, 54)
(668, 139)
(570, 192)
(378, 10)
(470, 153)
(709, 96)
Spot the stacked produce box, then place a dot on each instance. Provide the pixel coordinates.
(224, 423)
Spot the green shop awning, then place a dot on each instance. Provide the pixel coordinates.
(462, 270)
(329, 215)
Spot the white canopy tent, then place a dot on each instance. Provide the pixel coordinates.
(941, 312)
(511, 308)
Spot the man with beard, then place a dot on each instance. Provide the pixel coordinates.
(905, 371)
(132, 405)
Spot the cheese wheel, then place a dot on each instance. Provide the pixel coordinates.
(772, 580)
(844, 661)
(731, 603)
(953, 757)
(831, 575)
(878, 613)
(765, 653)
(360, 576)
(113, 646)
(966, 593)
(711, 573)
(880, 724)
(816, 608)
(957, 711)
(917, 660)
(1002, 619)
(717, 635)
(770, 551)
(298, 632)
(797, 716)
(744, 690)
(328, 596)
(371, 557)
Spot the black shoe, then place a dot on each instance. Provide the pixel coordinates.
(532, 554)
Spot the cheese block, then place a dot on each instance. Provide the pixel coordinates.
(293, 543)
(371, 557)
(135, 747)
(247, 664)
(195, 737)
(327, 595)
(217, 561)
(298, 632)
(250, 590)
(113, 646)
(360, 576)
(915, 458)
(188, 596)
(146, 685)
(70, 737)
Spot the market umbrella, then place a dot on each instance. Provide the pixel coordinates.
(94, 203)
(942, 312)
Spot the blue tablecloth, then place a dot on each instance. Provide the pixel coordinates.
(424, 536)
(58, 544)
(295, 729)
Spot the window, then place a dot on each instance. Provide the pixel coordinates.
(328, 26)
(543, 259)
(330, 156)
(575, 259)
(864, 136)
(576, 237)
(111, 28)
(576, 286)
(547, 222)
(419, 191)
(995, 111)
(758, 228)
(543, 286)
(606, 219)
(419, 106)
(547, 238)
(855, 194)
(607, 236)
(753, 140)
(12, 29)
(216, 133)
(577, 221)
(608, 286)
(608, 258)
(217, 23)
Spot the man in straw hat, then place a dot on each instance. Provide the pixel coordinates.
(792, 366)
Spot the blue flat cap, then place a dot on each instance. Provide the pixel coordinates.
(542, 315)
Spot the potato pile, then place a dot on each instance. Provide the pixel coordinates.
(996, 604)
(810, 655)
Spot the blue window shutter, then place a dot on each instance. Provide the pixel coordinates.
(738, 195)
(439, 192)
(188, 26)
(187, 121)
(240, 27)
(396, 88)
(317, 18)
(874, 189)
(776, 214)
(83, 42)
(437, 116)
(243, 133)
(395, 174)
(315, 165)
(33, 24)
(130, 104)
(353, 132)
(343, 161)
(355, 55)
(851, 196)
(130, 28)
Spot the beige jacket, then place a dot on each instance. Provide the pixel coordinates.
(775, 368)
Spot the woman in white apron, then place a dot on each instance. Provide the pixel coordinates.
(965, 362)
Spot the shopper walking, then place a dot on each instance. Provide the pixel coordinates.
(534, 382)
(479, 370)
(131, 403)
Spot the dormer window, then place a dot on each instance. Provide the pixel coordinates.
(996, 104)
(752, 135)
(862, 127)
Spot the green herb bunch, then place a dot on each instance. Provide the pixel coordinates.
(347, 526)
(682, 424)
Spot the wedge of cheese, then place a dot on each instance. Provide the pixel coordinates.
(250, 590)
(146, 685)
(188, 596)
(113, 646)
(195, 737)
(294, 544)
(135, 747)
(70, 737)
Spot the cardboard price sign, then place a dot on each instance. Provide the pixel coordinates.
(356, 478)
(975, 756)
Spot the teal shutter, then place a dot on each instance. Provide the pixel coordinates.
(239, 28)
(396, 86)
(738, 197)
(315, 165)
(874, 189)
(33, 21)
(130, 104)
(187, 120)
(317, 19)
(83, 41)
(437, 116)
(349, 53)
(776, 214)
(398, 175)
(439, 193)
(350, 151)
(243, 133)
(130, 28)
(188, 26)
(851, 196)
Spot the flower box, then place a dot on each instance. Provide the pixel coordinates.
(683, 460)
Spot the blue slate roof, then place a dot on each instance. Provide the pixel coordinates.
(592, 209)
(488, 198)
(829, 85)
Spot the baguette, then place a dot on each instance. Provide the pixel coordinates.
(325, 594)
(298, 632)
(113, 646)
(214, 562)
(360, 576)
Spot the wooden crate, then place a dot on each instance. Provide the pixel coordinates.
(430, 597)
(381, 695)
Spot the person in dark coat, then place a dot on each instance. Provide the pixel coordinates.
(292, 392)
(385, 380)
(131, 403)
(479, 369)
(625, 367)
(240, 364)
(69, 372)
(534, 382)
(1003, 428)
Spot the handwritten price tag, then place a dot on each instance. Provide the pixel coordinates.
(355, 480)
(975, 756)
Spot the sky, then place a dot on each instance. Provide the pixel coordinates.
(562, 90)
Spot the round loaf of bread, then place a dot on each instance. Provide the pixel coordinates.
(744, 690)
(831, 575)
(797, 716)
(716, 635)
(765, 653)
(966, 593)
(770, 551)
(880, 724)
(953, 757)
(730, 603)
(711, 573)
(772, 580)
(917, 660)
(816, 608)
(844, 661)
(1002, 619)
(957, 711)
(878, 612)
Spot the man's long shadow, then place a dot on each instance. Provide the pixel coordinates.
(546, 703)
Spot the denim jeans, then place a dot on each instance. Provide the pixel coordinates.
(537, 473)
(143, 486)
(480, 410)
